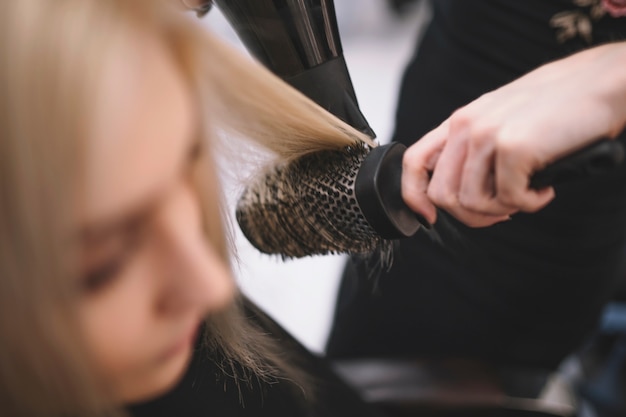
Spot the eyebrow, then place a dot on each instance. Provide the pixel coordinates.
(131, 218)
(102, 231)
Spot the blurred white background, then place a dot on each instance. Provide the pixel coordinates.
(377, 44)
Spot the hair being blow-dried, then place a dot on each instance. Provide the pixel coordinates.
(53, 53)
(276, 115)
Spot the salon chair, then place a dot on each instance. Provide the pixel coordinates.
(456, 388)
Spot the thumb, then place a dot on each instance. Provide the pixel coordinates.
(417, 164)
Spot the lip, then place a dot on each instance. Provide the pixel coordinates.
(182, 344)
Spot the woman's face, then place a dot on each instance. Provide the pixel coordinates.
(149, 276)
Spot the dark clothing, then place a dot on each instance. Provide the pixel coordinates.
(525, 292)
(206, 391)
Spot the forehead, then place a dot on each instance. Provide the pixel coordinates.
(143, 127)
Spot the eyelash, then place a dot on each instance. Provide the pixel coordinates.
(196, 152)
(104, 274)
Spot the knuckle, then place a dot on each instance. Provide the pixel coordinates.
(508, 197)
(441, 197)
(510, 150)
(514, 198)
(484, 135)
(469, 201)
(461, 119)
(479, 131)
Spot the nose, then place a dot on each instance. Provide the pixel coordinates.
(195, 279)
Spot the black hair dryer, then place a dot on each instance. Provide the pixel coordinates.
(299, 41)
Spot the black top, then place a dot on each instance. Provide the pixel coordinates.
(206, 391)
(523, 292)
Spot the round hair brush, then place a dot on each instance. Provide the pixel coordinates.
(349, 200)
(330, 201)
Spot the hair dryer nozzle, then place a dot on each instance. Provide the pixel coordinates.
(299, 41)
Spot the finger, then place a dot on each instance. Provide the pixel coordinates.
(474, 219)
(446, 177)
(512, 184)
(477, 189)
(418, 162)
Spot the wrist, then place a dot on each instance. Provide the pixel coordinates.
(615, 62)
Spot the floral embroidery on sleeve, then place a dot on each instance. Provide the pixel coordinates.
(616, 8)
(579, 23)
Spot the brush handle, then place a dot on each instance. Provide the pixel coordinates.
(378, 183)
(598, 158)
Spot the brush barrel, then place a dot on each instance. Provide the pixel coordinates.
(343, 201)
(309, 207)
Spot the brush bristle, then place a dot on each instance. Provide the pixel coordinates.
(308, 207)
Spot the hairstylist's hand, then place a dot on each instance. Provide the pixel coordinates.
(477, 164)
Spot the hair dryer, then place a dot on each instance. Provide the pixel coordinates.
(299, 41)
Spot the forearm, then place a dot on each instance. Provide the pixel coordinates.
(615, 57)
(602, 70)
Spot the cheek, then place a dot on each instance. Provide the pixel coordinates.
(133, 324)
(120, 332)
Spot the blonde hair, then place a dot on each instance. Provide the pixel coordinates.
(52, 54)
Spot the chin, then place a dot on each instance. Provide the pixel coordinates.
(162, 379)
